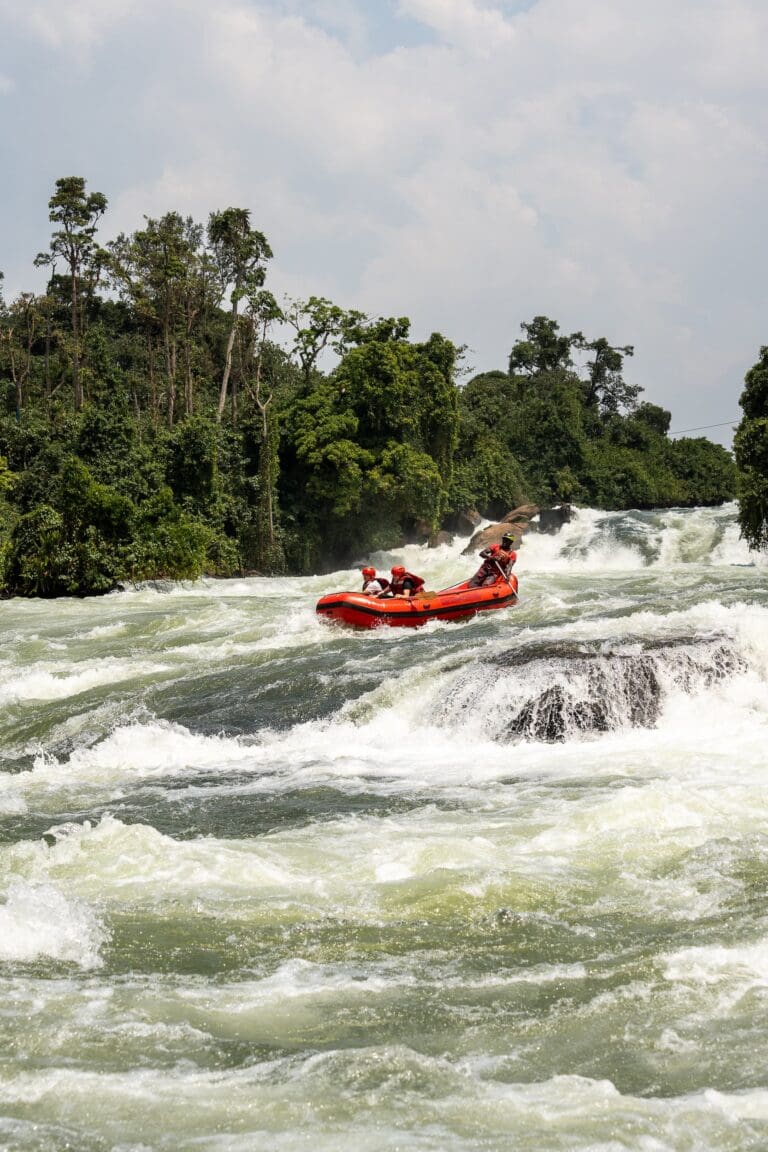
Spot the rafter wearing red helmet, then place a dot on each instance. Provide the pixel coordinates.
(404, 583)
(374, 585)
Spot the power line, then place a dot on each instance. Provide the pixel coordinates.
(703, 427)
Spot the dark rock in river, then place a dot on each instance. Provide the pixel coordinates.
(516, 522)
(467, 521)
(490, 535)
(555, 692)
(419, 533)
(551, 520)
(521, 516)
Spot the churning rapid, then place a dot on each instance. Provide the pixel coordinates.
(269, 884)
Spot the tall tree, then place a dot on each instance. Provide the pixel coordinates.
(159, 270)
(374, 442)
(605, 386)
(263, 312)
(240, 253)
(544, 348)
(200, 295)
(319, 324)
(76, 214)
(20, 324)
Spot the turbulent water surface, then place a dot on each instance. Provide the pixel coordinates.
(267, 884)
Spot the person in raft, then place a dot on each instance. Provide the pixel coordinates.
(498, 562)
(508, 546)
(374, 585)
(403, 583)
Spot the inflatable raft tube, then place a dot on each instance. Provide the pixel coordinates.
(461, 602)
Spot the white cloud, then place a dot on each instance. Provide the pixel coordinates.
(68, 24)
(301, 84)
(344, 17)
(464, 23)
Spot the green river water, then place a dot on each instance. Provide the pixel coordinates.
(269, 884)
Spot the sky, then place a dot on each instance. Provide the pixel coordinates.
(468, 163)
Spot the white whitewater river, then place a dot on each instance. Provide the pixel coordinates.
(270, 884)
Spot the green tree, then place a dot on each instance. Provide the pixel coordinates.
(544, 348)
(72, 547)
(374, 443)
(653, 416)
(751, 449)
(76, 214)
(240, 253)
(605, 386)
(263, 313)
(20, 326)
(193, 463)
(319, 324)
(705, 471)
(162, 271)
(168, 543)
(487, 475)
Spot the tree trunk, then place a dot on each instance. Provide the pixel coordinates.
(76, 385)
(188, 392)
(152, 384)
(267, 450)
(266, 509)
(189, 385)
(47, 353)
(19, 371)
(227, 365)
(170, 387)
(15, 376)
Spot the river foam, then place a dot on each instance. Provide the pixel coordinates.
(37, 920)
(265, 883)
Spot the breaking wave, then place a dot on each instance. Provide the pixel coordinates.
(560, 691)
(38, 920)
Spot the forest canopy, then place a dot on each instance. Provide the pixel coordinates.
(164, 415)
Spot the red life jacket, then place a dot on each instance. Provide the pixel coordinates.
(507, 560)
(495, 565)
(405, 583)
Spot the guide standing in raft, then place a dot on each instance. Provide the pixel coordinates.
(498, 562)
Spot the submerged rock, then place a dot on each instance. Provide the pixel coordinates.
(556, 691)
(551, 520)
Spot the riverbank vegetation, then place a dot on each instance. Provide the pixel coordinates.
(164, 415)
(751, 449)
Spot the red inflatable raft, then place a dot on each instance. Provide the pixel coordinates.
(457, 603)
